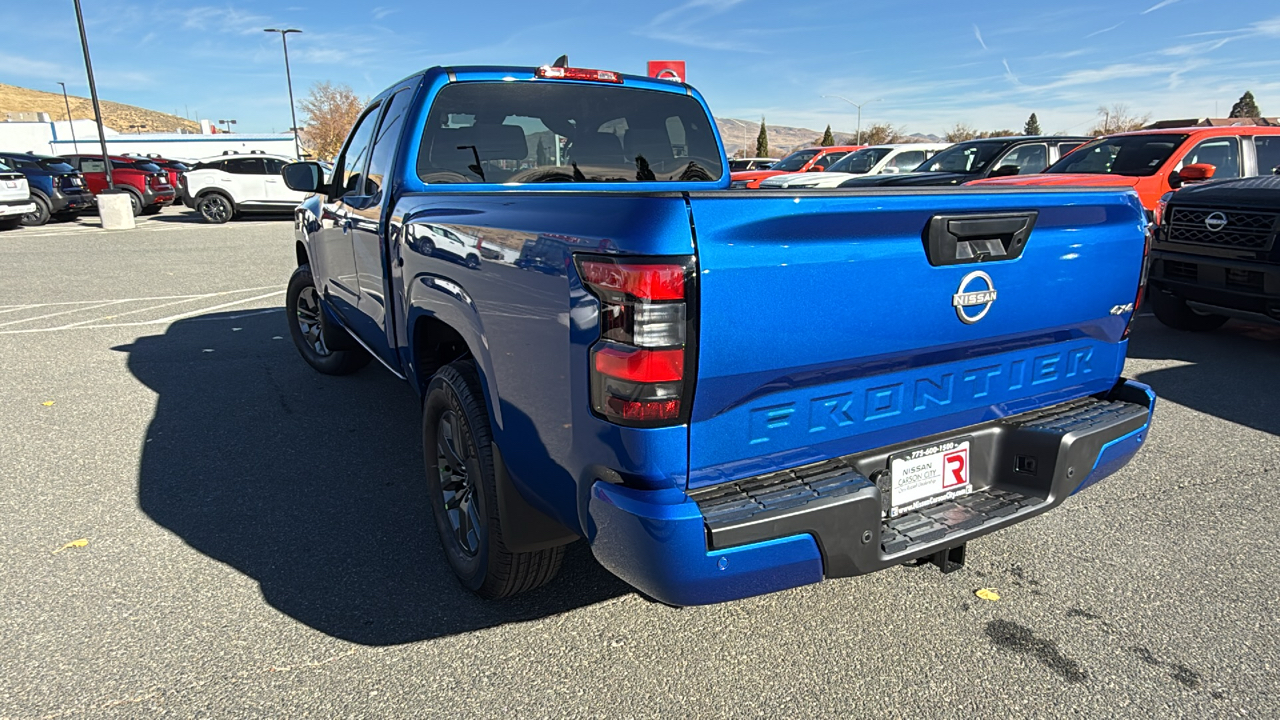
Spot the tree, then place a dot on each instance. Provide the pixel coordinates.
(1117, 119)
(329, 111)
(827, 138)
(883, 134)
(762, 140)
(1033, 126)
(1245, 107)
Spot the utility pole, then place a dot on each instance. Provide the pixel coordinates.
(284, 40)
(93, 93)
(857, 105)
(70, 123)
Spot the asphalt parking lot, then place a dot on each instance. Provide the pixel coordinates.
(259, 542)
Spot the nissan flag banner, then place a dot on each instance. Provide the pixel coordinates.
(672, 70)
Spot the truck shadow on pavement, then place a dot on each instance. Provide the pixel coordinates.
(312, 486)
(1229, 372)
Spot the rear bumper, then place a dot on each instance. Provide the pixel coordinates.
(826, 520)
(1239, 288)
(16, 207)
(152, 196)
(62, 201)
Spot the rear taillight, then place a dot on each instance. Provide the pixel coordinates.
(642, 364)
(1142, 279)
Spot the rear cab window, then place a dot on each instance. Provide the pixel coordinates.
(541, 132)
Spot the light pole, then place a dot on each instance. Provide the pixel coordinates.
(93, 93)
(857, 105)
(70, 123)
(284, 39)
(226, 124)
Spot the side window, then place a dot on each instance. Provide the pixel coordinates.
(1223, 153)
(384, 145)
(1268, 147)
(92, 165)
(274, 166)
(350, 167)
(825, 161)
(245, 166)
(907, 161)
(1028, 159)
(1064, 148)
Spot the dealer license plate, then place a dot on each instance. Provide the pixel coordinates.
(929, 475)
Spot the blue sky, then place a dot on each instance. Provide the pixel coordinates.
(927, 64)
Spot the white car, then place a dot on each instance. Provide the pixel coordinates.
(223, 186)
(439, 241)
(874, 160)
(15, 197)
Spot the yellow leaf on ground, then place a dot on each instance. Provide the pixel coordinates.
(73, 544)
(988, 594)
(47, 403)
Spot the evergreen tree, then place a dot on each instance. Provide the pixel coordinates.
(1245, 107)
(762, 140)
(827, 138)
(1033, 126)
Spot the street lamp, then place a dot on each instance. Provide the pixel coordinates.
(93, 93)
(857, 105)
(284, 33)
(70, 123)
(226, 124)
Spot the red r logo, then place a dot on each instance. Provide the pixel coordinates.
(957, 468)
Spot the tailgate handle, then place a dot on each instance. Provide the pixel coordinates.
(962, 239)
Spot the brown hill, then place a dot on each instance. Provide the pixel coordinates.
(117, 116)
(738, 134)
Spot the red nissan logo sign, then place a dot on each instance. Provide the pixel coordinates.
(672, 70)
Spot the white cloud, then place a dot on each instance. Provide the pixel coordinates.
(978, 34)
(679, 25)
(1158, 6)
(1103, 30)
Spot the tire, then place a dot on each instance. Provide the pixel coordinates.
(1174, 312)
(10, 223)
(135, 202)
(460, 473)
(473, 261)
(313, 333)
(152, 209)
(215, 208)
(41, 214)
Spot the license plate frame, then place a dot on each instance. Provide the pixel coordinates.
(929, 474)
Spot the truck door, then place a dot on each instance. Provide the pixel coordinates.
(336, 271)
(368, 227)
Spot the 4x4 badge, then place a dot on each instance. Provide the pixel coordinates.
(966, 298)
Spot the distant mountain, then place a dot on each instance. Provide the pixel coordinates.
(739, 134)
(117, 116)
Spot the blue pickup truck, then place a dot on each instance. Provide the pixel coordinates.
(724, 393)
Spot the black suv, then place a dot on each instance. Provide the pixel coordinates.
(1215, 254)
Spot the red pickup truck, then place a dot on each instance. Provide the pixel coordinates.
(1155, 162)
(816, 159)
(147, 183)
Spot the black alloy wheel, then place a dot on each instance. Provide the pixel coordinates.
(40, 215)
(457, 484)
(214, 209)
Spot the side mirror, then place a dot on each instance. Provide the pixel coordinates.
(1197, 172)
(890, 170)
(816, 168)
(1006, 171)
(303, 176)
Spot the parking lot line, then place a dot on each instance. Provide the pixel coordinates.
(64, 312)
(170, 300)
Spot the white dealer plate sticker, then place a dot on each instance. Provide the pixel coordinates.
(929, 475)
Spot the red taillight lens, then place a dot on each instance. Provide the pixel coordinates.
(638, 367)
(648, 282)
(547, 72)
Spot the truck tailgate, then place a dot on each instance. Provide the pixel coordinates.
(827, 326)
